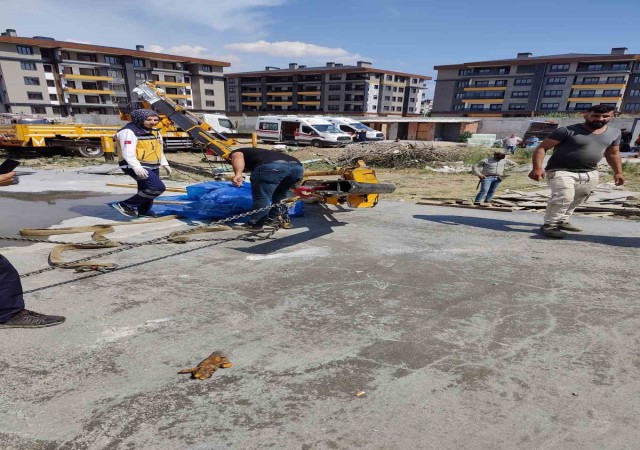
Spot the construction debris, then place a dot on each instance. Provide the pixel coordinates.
(627, 206)
(400, 154)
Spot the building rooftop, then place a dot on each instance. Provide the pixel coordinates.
(46, 42)
(617, 54)
(362, 66)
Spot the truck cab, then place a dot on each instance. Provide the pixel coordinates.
(220, 123)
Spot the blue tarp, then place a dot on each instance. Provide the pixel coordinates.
(214, 200)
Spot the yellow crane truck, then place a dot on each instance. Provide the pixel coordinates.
(89, 141)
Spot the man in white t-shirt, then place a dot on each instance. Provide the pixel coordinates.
(511, 143)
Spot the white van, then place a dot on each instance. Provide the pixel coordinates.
(220, 123)
(352, 127)
(300, 130)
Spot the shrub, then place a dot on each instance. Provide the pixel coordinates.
(464, 136)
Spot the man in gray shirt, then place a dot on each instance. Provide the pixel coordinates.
(490, 172)
(572, 170)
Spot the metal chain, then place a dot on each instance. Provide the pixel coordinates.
(129, 245)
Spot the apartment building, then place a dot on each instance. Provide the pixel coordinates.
(43, 76)
(528, 85)
(332, 89)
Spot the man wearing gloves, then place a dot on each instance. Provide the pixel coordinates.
(139, 150)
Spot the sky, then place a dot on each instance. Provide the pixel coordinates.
(401, 35)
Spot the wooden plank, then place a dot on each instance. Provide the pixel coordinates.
(135, 186)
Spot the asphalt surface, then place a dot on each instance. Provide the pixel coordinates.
(465, 329)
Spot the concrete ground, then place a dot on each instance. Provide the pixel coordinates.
(465, 329)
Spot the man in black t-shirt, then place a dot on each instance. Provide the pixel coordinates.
(273, 174)
(572, 170)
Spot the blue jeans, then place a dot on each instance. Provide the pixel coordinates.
(488, 186)
(511, 148)
(270, 183)
(148, 189)
(11, 301)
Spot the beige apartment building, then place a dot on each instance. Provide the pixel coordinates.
(528, 85)
(332, 89)
(43, 76)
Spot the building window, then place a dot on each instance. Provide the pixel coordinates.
(71, 84)
(38, 110)
(89, 72)
(51, 83)
(334, 98)
(28, 66)
(582, 106)
(517, 106)
(232, 90)
(168, 66)
(112, 60)
(636, 79)
(497, 107)
(611, 93)
(137, 62)
(87, 57)
(554, 93)
(333, 107)
(47, 68)
(559, 68)
(208, 92)
(141, 77)
(464, 72)
(206, 68)
(32, 81)
(458, 107)
(154, 77)
(335, 76)
(210, 103)
(459, 96)
(232, 99)
(522, 81)
(634, 93)
(91, 99)
(504, 70)
(590, 80)
(65, 55)
(34, 95)
(25, 50)
(385, 108)
(481, 83)
(170, 78)
(67, 70)
(549, 106)
(56, 110)
(520, 94)
(499, 83)
(556, 80)
(208, 80)
(632, 106)
(476, 107)
(73, 98)
(594, 67)
(335, 87)
(172, 91)
(586, 93)
(387, 98)
(619, 66)
(615, 80)
(484, 71)
(462, 83)
(53, 97)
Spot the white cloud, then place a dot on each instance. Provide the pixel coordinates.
(77, 41)
(289, 48)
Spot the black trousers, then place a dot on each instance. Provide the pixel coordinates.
(11, 301)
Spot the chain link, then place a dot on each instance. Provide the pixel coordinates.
(129, 245)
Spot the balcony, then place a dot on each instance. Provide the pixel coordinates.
(485, 88)
(252, 103)
(483, 100)
(483, 96)
(598, 85)
(317, 103)
(279, 94)
(86, 77)
(89, 91)
(177, 95)
(171, 83)
(306, 93)
(251, 94)
(596, 97)
(273, 103)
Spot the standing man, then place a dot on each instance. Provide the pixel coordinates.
(511, 143)
(572, 170)
(490, 172)
(12, 311)
(273, 174)
(140, 152)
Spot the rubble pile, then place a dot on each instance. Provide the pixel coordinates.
(399, 155)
